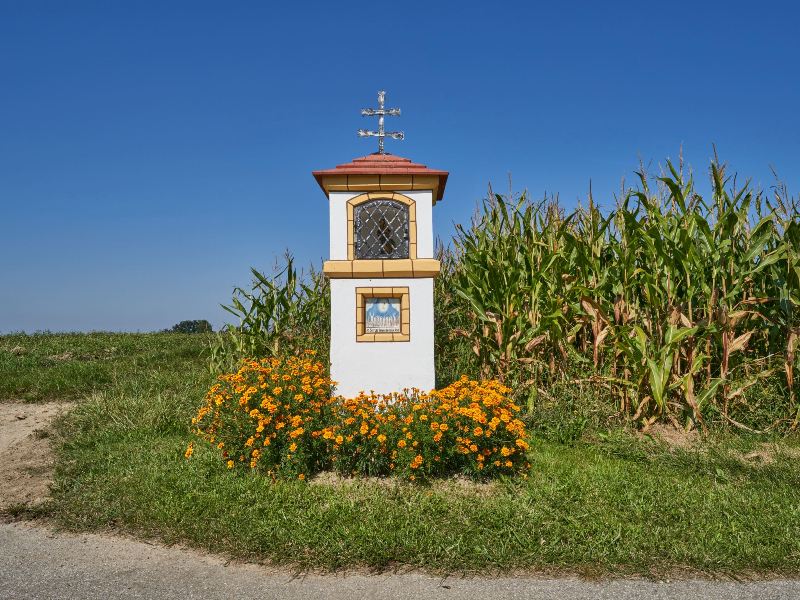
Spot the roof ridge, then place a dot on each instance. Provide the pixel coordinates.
(382, 164)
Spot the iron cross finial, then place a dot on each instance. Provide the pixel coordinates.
(380, 112)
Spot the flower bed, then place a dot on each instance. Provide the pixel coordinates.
(278, 416)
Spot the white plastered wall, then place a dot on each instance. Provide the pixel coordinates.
(383, 367)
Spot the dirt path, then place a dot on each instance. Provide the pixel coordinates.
(26, 456)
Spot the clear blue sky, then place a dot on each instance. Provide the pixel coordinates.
(151, 152)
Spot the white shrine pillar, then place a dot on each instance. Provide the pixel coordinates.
(381, 271)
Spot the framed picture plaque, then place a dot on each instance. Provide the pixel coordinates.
(382, 315)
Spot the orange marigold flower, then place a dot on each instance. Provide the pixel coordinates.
(274, 385)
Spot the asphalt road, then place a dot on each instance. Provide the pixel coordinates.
(38, 563)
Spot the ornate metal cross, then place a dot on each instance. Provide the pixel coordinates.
(380, 112)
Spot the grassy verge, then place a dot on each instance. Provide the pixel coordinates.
(609, 502)
(69, 366)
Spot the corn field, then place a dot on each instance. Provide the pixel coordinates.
(282, 314)
(680, 308)
(669, 307)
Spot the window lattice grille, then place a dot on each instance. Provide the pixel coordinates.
(381, 230)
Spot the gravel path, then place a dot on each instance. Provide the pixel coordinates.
(37, 563)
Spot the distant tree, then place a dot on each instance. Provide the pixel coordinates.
(196, 326)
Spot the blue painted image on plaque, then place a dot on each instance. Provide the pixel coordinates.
(382, 315)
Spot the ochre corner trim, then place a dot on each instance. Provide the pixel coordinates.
(384, 183)
(365, 269)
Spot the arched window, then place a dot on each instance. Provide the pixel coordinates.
(381, 229)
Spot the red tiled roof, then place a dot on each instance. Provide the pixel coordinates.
(383, 164)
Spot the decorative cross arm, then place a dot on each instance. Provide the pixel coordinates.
(380, 112)
(395, 135)
(373, 112)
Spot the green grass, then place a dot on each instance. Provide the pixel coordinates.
(607, 503)
(69, 366)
